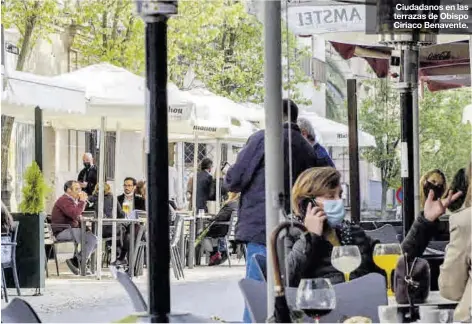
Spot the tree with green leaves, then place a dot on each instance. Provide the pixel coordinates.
(335, 91)
(379, 115)
(107, 31)
(220, 43)
(34, 20)
(445, 143)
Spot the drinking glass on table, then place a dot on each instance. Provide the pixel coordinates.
(386, 257)
(316, 297)
(346, 258)
(126, 208)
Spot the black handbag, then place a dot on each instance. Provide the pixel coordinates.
(412, 282)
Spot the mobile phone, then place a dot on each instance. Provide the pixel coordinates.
(225, 167)
(304, 205)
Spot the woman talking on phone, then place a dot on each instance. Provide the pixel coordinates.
(316, 198)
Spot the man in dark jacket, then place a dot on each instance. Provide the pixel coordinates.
(309, 133)
(247, 176)
(130, 198)
(204, 185)
(88, 176)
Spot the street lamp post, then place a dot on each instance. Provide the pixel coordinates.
(155, 14)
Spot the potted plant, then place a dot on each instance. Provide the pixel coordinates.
(30, 251)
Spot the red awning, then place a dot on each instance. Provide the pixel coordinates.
(442, 66)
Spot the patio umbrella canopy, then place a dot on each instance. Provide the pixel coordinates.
(25, 91)
(335, 134)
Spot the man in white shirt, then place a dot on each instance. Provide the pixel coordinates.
(175, 190)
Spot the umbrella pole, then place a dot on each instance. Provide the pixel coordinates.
(273, 132)
(408, 84)
(191, 252)
(115, 189)
(218, 175)
(101, 191)
(157, 169)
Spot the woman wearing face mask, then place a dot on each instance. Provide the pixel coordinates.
(316, 198)
(432, 180)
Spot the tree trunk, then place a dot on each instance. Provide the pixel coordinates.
(7, 121)
(383, 205)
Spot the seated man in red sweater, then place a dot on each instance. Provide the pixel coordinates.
(67, 211)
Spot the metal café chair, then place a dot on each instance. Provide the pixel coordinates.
(9, 260)
(19, 311)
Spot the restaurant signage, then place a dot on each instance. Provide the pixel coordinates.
(307, 19)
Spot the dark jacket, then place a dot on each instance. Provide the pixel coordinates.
(224, 215)
(139, 202)
(66, 211)
(310, 256)
(89, 175)
(204, 189)
(322, 156)
(107, 206)
(247, 176)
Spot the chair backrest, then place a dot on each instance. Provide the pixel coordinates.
(133, 292)
(179, 223)
(89, 213)
(348, 303)
(14, 231)
(19, 311)
(385, 234)
(232, 227)
(48, 235)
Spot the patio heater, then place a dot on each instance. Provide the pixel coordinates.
(407, 42)
(155, 14)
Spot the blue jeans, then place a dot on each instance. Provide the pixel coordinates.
(251, 269)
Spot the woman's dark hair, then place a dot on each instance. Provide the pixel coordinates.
(293, 110)
(459, 183)
(206, 164)
(130, 179)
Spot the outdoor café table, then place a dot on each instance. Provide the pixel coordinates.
(199, 226)
(131, 251)
(434, 299)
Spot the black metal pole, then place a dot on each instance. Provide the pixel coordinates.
(354, 184)
(408, 81)
(158, 170)
(38, 137)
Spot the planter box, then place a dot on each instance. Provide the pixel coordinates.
(30, 253)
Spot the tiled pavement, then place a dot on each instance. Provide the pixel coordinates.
(207, 291)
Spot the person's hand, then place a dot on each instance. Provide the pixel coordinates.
(314, 219)
(83, 196)
(435, 208)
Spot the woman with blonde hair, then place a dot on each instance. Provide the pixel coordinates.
(432, 180)
(107, 207)
(455, 277)
(316, 197)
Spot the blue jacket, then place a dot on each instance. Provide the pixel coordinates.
(247, 176)
(322, 155)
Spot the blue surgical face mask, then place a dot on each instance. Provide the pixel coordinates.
(335, 211)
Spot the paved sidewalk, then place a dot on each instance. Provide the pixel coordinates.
(208, 291)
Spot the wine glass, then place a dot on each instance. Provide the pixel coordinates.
(346, 258)
(386, 257)
(316, 297)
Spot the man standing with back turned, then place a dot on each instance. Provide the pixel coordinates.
(309, 133)
(247, 176)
